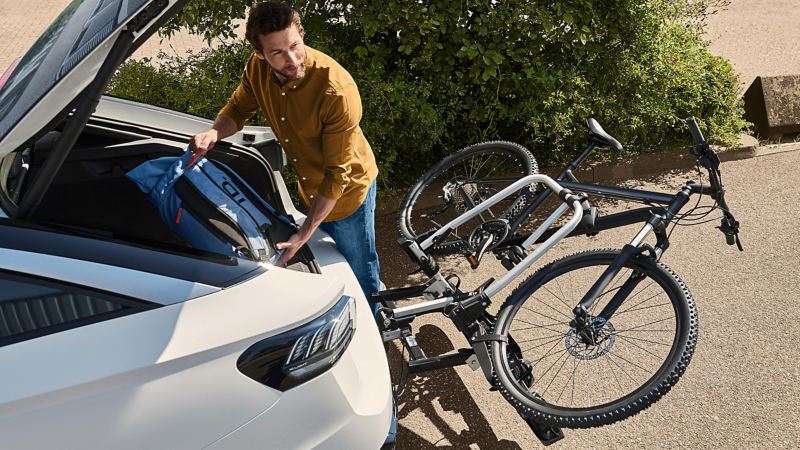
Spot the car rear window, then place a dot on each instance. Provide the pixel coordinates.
(31, 307)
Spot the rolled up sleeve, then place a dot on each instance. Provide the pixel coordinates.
(342, 114)
(242, 104)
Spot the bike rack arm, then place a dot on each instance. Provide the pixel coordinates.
(573, 222)
(491, 201)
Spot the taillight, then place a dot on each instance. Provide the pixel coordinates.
(293, 357)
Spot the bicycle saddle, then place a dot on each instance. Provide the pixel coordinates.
(597, 132)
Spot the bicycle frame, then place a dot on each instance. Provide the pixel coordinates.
(602, 223)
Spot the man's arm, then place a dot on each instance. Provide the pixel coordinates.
(241, 106)
(320, 209)
(223, 127)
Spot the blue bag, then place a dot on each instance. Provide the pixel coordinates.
(210, 207)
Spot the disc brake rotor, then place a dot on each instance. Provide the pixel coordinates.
(603, 338)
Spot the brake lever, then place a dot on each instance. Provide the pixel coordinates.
(730, 228)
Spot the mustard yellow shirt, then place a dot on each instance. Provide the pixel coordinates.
(316, 120)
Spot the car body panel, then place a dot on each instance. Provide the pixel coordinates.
(133, 283)
(152, 379)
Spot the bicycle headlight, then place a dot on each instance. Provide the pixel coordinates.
(293, 357)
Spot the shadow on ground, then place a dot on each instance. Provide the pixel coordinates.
(445, 389)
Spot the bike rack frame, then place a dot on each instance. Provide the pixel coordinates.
(467, 308)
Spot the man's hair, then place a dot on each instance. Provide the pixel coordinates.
(264, 18)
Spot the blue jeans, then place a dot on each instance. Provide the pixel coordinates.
(355, 238)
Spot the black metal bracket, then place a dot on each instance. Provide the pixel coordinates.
(461, 357)
(547, 434)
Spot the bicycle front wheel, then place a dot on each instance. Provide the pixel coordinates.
(630, 361)
(459, 183)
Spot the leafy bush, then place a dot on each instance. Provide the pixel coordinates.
(438, 75)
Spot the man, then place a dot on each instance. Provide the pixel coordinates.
(314, 109)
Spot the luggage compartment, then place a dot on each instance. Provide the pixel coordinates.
(91, 194)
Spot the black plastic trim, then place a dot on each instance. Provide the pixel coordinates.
(206, 268)
(129, 305)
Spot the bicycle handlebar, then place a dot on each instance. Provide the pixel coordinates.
(709, 159)
(697, 135)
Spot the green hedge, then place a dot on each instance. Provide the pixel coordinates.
(436, 76)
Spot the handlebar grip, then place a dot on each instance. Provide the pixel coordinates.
(697, 135)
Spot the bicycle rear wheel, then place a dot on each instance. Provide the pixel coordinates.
(458, 183)
(629, 364)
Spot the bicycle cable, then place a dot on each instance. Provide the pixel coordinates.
(401, 386)
(679, 217)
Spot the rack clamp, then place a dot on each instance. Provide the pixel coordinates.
(546, 434)
(423, 260)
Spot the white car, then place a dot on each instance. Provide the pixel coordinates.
(116, 334)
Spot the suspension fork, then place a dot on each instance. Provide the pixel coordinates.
(656, 223)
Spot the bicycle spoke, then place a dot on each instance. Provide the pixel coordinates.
(556, 340)
(566, 384)
(561, 299)
(616, 314)
(608, 362)
(631, 363)
(643, 331)
(556, 310)
(642, 302)
(553, 331)
(646, 324)
(632, 342)
(545, 315)
(631, 338)
(544, 326)
(622, 370)
(549, 336)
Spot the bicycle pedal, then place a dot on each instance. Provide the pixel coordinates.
(473, 261)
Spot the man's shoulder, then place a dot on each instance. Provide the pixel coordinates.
(337, 77)
(256, 70)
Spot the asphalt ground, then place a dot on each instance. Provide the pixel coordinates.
(741, 389)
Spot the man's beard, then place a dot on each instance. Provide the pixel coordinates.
(292, 75)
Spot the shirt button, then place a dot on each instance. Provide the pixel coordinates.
(294, 159)
(310, 196)
(283, 93)
(283, 119)
(304, 178)
(285, 140)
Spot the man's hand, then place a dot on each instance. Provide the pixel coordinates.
(203, 142)
(318, 211)
(292, 245)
